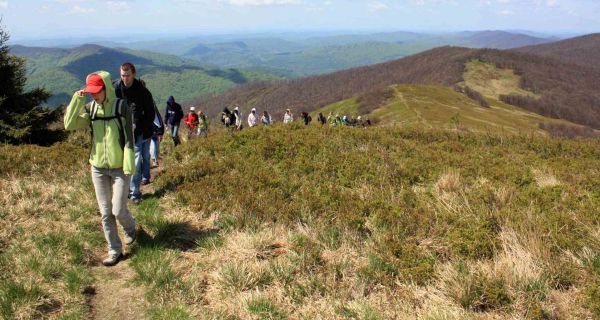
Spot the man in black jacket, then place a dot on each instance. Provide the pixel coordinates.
(173, 116)
(142, 105)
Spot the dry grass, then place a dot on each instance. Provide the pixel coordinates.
(545, 179)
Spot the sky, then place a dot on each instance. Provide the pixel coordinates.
(46, 19)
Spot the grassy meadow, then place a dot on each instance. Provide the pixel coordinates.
(294, 222)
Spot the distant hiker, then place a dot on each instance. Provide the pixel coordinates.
(228, 118)
(266, 118)
(288, 117)
(252, 118)
(173, 116)
(360, 122)
(337, 120)
(321, 118)
(159, 130)
(191, 121)
(238, 119)
(141, 103)
(112, 155)
(306, 118)
(202, 125)
(331, 119)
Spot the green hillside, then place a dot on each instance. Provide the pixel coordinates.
(444, 108)
(428, 106)
(291, 222)
(63, 71)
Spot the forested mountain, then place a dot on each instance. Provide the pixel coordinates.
(584, 50)
(63, 71)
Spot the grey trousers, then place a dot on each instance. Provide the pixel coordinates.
(112, 189)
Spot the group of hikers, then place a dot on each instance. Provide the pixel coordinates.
(233, 119)
(127, 130)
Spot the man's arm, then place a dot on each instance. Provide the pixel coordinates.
(149, 113)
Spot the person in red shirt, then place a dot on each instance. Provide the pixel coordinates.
(191, 120)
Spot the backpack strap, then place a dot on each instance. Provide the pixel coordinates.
(118, 108)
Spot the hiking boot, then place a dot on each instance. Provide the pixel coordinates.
(129, 239)
(112, 259)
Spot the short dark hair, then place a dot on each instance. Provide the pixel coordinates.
(128, 66)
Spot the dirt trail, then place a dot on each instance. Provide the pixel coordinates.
(115, 295)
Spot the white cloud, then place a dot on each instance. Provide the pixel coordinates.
(377, 6)
(507, 12)
(262, 2)
(3, 4)
(118, 6)
(81, 10)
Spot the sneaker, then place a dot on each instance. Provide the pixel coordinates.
(145, 182)
(154, 163)
(130, 239)
(112, 259)
(136, 200)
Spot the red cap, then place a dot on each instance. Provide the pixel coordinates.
(93, 84)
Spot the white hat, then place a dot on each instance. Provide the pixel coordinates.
(236, 108)
(253, 109)
(192, 109)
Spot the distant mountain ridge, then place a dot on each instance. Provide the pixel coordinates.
(584, 50)
(320, 55)
(63, 71)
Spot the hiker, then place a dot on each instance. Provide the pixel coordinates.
(238, 119)
(112, 155)
(191, 121)
(288, 117)
(321, 118)
(252, 119)
(159, 131)
(228, 118)
(173, 116)
(203, 124)
(337, 120)
(331, 119)
(306, 118)
(265, 119)
(141, 103)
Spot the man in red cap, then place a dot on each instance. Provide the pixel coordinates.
(112, 156)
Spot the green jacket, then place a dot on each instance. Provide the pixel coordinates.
(106, 152)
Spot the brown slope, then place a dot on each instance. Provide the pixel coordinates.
(584, 50)
(569, 91)
(439, 66)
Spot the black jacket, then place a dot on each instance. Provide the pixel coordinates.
(140, 100)
(173, 113)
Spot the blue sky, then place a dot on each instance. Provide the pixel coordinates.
(64, 18)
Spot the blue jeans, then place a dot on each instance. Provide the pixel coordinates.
(142, 166)
(155, 147)
(175, 133)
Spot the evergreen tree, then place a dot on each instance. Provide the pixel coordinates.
(22, 119)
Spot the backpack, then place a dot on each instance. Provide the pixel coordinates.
(117, 115)
(158, 125)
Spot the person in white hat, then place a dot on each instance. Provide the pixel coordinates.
(238, 119)
(288, 117)
(252, 118)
